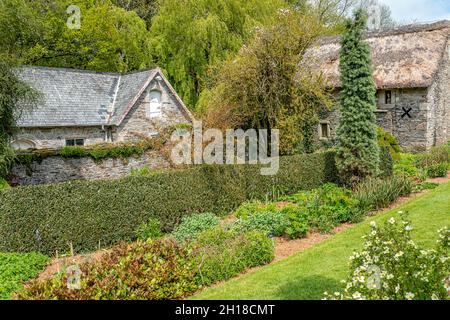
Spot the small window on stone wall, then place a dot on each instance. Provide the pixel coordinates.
(324, 130)
(74, 142)
(388, 97)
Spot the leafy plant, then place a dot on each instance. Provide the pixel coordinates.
(154, 270)
(298, 222)
(393, 267)
(386, 163)
(328, 206)
(375, 193)
(436, 156)
(4, 184)
(149, 230)
(270, 223)
(250, 208)
(387, 140)
(222, 254)
(425, 186)
(406, 166)
(191, 226)
(16, 268)
(73, 152)
(437, 170)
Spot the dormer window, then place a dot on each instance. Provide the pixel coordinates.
(154, 109)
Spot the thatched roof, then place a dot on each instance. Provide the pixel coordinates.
(406, 57)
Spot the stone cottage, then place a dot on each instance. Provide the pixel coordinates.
(412, 75)
(80, 108)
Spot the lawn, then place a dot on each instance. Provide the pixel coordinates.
(309, 274)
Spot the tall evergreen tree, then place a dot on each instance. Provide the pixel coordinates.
(358, 153)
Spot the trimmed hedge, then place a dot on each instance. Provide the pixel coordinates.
(93, 214)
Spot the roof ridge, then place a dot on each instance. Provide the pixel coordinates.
(405, 29)
(113, 104)
(88, 71)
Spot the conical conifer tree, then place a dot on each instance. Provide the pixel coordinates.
(358, 151)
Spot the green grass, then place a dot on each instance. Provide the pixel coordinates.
(15, 268)
(309, 274)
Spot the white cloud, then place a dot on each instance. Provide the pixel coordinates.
(419, 10)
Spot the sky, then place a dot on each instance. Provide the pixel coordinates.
(419, 10)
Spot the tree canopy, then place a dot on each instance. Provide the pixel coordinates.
(190, 36)
(110, 38)
(15, 95)
(265, 87)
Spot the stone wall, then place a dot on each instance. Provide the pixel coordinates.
(439, 97)
(57, 169)
(136, 124)
(412, 133)
(55, 138)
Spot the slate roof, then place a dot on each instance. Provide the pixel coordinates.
(73, 97)
(405, 57)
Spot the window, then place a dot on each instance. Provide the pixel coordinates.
(154, 109)
(388, 97)
(324, 130)
(74, 142)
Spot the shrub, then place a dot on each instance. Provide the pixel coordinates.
(87, 213)
(393, 267)
(374, 194)
(298, 222)
(154, 270)
(222, 254)
(191, 226)
(250, 208)
(436, 156)
(389, 142)
(386, 163)
(425, 186)
(270, 223)
(437, 170)
(144, 171)
(406, 166)
(149, 230)
(4, 184)
(159, 269)
(73, 152)
(328, 206)
(15, 268)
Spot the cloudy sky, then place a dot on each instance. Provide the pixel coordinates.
(419, 10)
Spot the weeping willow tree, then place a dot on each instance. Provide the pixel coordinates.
(358, 152)
(15, 95)
(191, 36)
(266, 85)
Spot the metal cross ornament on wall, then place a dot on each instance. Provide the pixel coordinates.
(406, 112)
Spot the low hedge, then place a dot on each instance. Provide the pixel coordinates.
(93, 214)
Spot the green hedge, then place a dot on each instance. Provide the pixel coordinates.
(92, 214)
